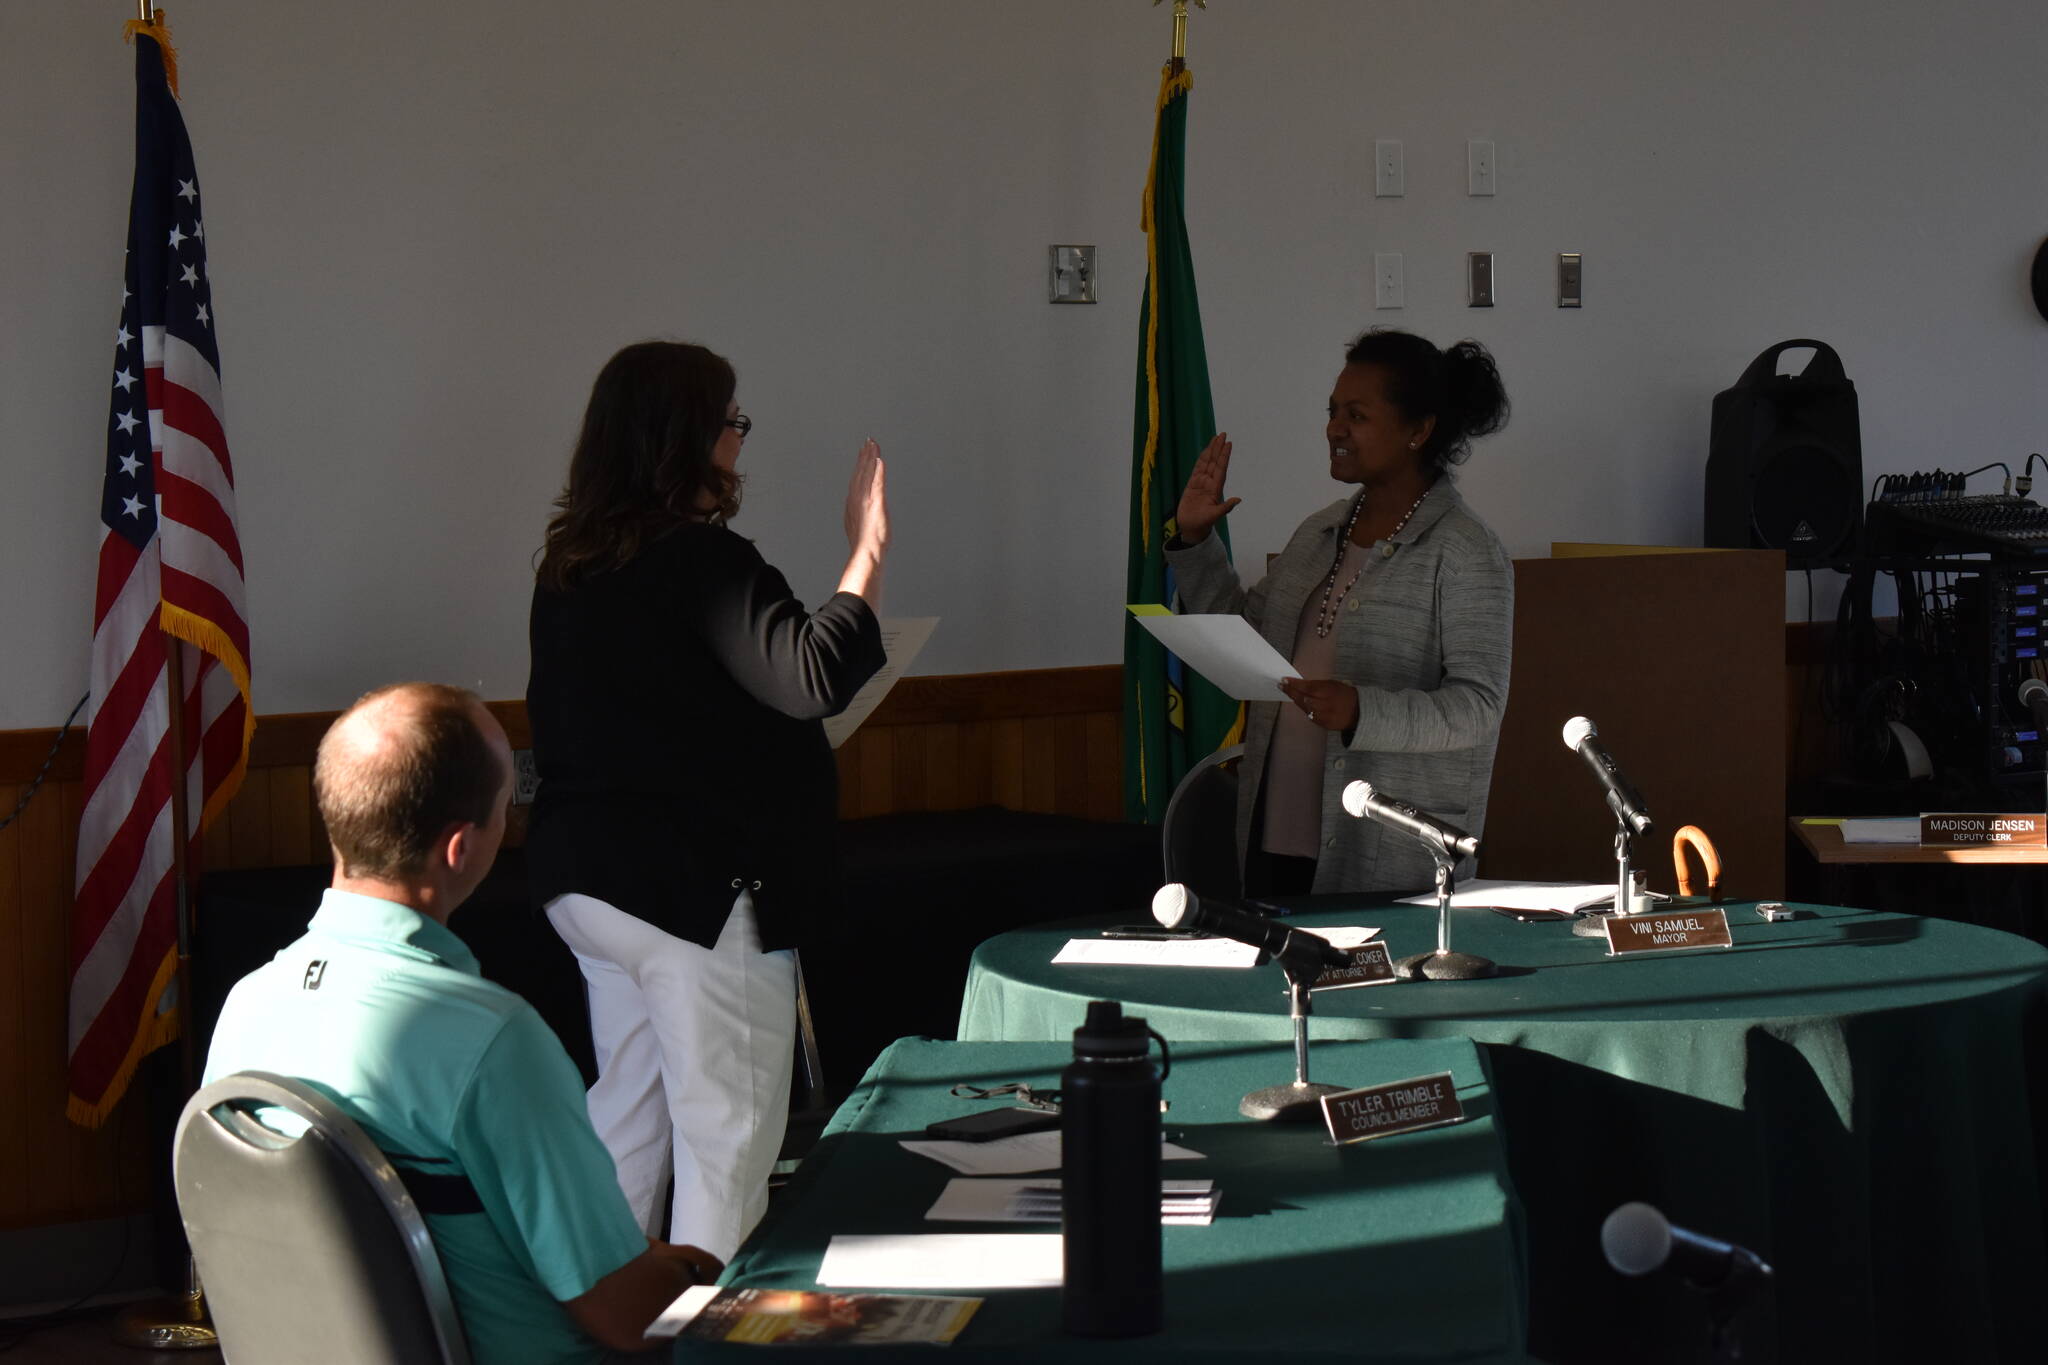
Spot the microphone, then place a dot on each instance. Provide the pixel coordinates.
(1364, 803)
(2034, 696)
(1639, 1240)
(1177, 907)
(1582, 739)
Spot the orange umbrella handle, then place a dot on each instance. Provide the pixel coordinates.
(1709, 859)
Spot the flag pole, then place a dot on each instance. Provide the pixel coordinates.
(181, 872)
(179, 1321)
(1180, 31)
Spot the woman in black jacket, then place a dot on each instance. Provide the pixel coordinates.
(683, 835)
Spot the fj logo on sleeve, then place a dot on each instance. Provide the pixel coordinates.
(314, 971)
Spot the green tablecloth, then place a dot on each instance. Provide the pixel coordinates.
(1411, 1243)
(1847, 1093)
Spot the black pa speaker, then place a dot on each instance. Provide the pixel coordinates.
(1785, 462)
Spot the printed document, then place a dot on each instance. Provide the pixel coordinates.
(1223, 649)
(902, 640)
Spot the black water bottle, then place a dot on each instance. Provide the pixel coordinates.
(1109, 1177)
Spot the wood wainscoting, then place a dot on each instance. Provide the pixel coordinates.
(1040, 740)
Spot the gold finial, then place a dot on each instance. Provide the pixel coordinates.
(1180, 29)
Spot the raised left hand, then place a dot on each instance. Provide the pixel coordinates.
(1331, 704)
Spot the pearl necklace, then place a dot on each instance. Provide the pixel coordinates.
(1326, 614)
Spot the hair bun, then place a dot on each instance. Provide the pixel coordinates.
(1474, 398)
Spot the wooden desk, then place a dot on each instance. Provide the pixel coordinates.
(1826, 845)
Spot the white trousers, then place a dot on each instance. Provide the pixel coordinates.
(695, 1048)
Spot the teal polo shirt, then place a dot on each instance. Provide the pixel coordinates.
(384, 1011)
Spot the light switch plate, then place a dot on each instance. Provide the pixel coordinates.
(1389, 178)
(1388, 288)
(1570, 279)
(1479, 167)
(1072, 274)
(1479, 279)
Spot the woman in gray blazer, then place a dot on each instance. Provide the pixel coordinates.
(1395, 604)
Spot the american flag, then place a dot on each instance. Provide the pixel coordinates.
(170, 577)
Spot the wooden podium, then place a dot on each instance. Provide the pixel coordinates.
(1679, 659)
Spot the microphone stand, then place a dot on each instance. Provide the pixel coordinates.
(1443, 964)
(1588, 925)
(1299, 1101)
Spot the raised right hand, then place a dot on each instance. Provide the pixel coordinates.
(1202, 504)
(867, 504)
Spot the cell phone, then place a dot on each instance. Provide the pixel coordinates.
(990, 1124)
(1156, 932)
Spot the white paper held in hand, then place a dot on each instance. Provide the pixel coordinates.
(902, 638)
(1225, 650)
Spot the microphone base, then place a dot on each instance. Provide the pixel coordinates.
(1295, 1102)
(1447, 966)
(1591, 924)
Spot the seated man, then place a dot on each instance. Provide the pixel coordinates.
(459, 1082)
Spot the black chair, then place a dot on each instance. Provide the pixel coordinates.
(1199, 835)
(309, 1247)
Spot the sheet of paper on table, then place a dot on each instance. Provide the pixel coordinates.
(1190, 952)
(1182, 1203)
(1904, 829)
(1223, 649)
(1524, 895)
(1017, 1155)
(902, 639)
(943, 1260)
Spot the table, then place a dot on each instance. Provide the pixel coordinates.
(1997, 888)
(1846, 1093)
(1828, 847)
(1412, 1241)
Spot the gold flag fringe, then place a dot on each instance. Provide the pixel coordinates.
(1171, 84)
(160, 29)
(159, 1027)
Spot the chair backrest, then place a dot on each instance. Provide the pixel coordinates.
(1199, 836)
(309, 1247)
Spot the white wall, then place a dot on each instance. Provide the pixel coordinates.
(429, 224)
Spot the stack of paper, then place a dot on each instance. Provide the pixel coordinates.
(944, 1260)
(1038, 1151)
(1182, 1203)
(1525, 895)
(1191, 952)
(1886, 830)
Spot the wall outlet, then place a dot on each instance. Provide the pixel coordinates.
(525, 777)
(1479, 279)
(1388, 289)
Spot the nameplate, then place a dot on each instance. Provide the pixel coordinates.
(1371, 965)
(1380, 1110)
(1667, 932)
(1962, 829)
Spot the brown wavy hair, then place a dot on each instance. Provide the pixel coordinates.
(642, 464)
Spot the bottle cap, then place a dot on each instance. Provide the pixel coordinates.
(1108, 1033)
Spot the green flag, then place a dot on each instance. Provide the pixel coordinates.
(1172, 718)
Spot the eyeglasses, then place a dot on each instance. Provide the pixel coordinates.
(742, 424)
